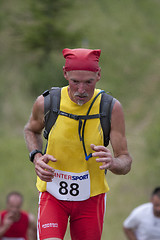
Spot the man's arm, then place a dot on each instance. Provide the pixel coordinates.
(32, 230)
(129, 233)
(35, 125)
(33, 137)
(7, 222)
(121, 162)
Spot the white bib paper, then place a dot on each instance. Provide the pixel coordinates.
(70, 186)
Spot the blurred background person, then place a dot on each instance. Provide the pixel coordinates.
(15, 223)
(144, 221)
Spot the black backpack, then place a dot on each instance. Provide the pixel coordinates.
(52, 110)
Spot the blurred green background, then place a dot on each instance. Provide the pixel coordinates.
(32, 37)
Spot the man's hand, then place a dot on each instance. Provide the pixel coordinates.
(103, 155)
(7, 222)
(129, 234)
(8, 219)
(43, 170)
(120, 162)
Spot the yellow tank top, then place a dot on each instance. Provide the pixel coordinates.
(65, 145)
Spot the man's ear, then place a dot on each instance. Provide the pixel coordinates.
(99, 74)
(65, 73)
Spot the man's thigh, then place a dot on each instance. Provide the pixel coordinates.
(52, 218)
(86, 221)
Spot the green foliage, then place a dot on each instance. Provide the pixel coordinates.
(153, 138)
(43, 35)
(127, 39)
(43, 31)
(17, 172)
(46, 36)
(42, 77)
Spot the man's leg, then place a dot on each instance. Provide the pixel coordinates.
(52, 218)
(86, 221)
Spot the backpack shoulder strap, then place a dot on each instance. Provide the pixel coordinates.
(51, 108)
(106, 106)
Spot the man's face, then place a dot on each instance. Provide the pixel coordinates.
(81, 85)
(14, 205)
(156, 205)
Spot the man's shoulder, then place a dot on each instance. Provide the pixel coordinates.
(3, 212)
(40, 100)
(25, 213)
(39, 104)
(24, 216)
(143, 207)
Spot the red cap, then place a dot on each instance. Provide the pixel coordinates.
(81, 59)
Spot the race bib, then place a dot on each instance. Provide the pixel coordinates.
(70, 186)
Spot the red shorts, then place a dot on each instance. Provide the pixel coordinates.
(86, 217)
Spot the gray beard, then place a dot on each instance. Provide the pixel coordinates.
(80, 103)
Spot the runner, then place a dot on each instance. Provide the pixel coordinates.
(71, 175)
(15, 223)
